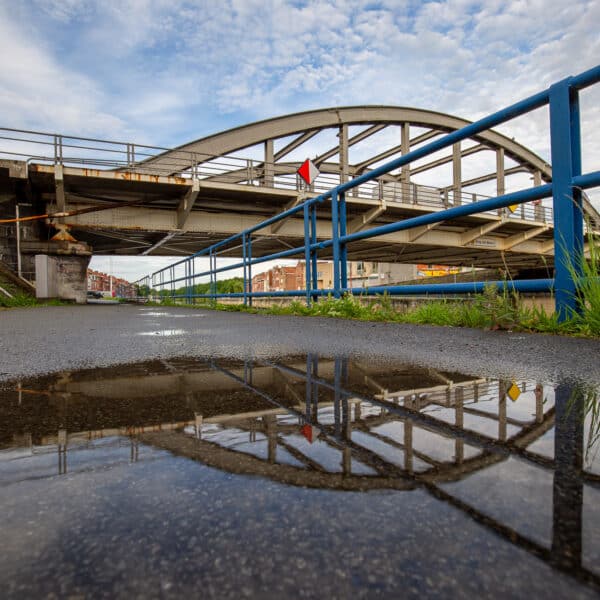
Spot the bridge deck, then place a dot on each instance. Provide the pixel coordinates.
(144, 208)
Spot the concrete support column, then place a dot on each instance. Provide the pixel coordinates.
(59, 181)
(405, 170)
(500, 179)
(62, 276)
(343, 153)
(456, 173)
(269, 165)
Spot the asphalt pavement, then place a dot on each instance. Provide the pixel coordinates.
(48, 339)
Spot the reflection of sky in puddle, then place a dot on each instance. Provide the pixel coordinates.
(164, 332)
(172, 315)
(463, 446)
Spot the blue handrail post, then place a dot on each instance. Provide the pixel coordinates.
(568, 211)
(212, 267)
(245, 269)
(307, 253)
(343, 248)
(313, 240)
(249, 256)
(192, 290)
(335, 239)
(188, 282)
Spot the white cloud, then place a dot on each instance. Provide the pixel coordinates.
(167, 71)
(36, 90)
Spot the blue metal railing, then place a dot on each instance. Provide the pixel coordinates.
(565, 189)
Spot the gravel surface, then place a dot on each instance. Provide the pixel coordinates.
(48, 339)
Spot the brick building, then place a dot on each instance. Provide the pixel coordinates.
(101, 282)
(360, 274)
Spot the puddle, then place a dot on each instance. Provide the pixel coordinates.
(335, 476)
(172, 315)
(164, 332)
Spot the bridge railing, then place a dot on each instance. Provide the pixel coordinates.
(110, 155)
(566, 192)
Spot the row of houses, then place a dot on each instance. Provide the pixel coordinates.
(109, 285)
(360, 274)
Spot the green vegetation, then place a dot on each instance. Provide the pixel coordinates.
(25, 301)
(583, 402)
(226, 286)
(493, 309)
(587, 278)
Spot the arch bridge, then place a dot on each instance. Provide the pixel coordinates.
(124, 198)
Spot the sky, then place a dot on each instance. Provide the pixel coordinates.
(164, 72)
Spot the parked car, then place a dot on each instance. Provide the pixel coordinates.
(93, 294)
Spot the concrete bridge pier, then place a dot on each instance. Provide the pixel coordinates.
(61, 270)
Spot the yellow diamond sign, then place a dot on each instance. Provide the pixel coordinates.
(514, 392)
(513, 207)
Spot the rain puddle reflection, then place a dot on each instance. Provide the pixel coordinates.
(503, 476)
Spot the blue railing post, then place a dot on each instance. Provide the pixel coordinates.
(245, 269)
(249, 257)
(314, 261)
(343, 249)
(193, 299)
(568, 211)
(335, 239)
(188, 282)
(213, 265)
(307, 253)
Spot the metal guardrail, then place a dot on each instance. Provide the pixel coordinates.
(566, 190)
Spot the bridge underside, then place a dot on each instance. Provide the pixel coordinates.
(135, 213)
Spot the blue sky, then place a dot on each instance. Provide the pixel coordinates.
(168, 71)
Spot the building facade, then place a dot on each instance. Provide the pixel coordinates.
(109, 285)
(360, 274)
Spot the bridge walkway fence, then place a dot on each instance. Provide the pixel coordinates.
(566, 191)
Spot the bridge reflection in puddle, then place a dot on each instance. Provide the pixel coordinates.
(517, 458)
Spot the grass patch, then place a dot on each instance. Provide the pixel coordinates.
(26, 301)
(493, 309)
(587, 279)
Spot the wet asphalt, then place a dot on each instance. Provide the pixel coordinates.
(50, 339)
